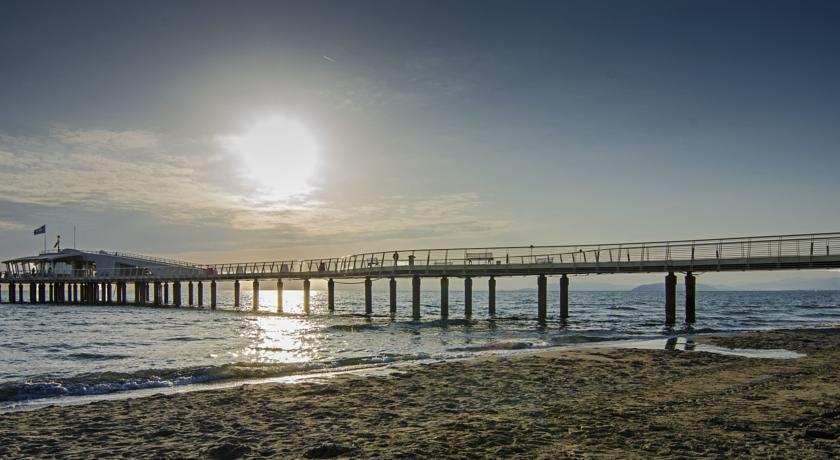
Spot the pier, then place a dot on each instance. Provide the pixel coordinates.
(100, 277)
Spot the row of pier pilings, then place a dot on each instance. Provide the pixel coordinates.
(107, 293)
(157, 293)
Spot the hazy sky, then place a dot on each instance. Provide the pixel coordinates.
(227, 131)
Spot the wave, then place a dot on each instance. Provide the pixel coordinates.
(113, 382)
(94, 356)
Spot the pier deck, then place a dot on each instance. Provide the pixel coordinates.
(780, 252)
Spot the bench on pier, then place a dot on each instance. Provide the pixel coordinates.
(373, 261)
(478, 256)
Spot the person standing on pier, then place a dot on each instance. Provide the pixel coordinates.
(396, 258)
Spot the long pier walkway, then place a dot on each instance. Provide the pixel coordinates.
(689, 257)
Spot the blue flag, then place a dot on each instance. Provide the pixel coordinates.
(40, 230)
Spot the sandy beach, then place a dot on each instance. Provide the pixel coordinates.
(587, 403)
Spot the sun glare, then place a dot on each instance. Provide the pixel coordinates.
(278, 154)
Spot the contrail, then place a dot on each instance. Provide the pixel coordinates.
(329, 58)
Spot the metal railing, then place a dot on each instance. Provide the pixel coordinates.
(802, 249)
(130, 255)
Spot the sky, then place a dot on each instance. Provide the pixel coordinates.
(241, 131)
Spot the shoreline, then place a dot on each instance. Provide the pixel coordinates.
(680, 338)
(558, 402)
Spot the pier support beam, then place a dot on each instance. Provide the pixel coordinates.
(670, 299)
(157, 293)
(20, 293)
(32, 293)
(444, 298)
(306, 286)
(468, 297)
(109, 294)
(279, 295)
(564, 297)
(76, 293)
(690, 292)
(190, 294)
(393, 289)
(491, 296)
(200, 292)
(176, 293)
(415, 297)
(12, 293)
(542, 298)
(368, 296)
(331, 295)
(213, 294)
(166, 293)
(51, 297)
(256, 296)
(236, 294)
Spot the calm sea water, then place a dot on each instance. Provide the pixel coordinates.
(53, 351)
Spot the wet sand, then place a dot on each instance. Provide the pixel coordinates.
(588, 403)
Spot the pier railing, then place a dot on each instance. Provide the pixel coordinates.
(786, 251)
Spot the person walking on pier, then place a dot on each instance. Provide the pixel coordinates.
(396, 258)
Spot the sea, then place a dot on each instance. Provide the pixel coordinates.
(56, 354)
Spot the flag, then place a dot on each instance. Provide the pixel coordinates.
(40, 230)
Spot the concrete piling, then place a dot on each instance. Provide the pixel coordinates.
(200, 292)
(12, 293)
(690, 287)
(491, 296)
(444, 298)
(176, 293)
(256, 296)
(306, 285)
(415, 297)
(368, 296)
(670, 299)
(331, 295)
(190, 294)
(542, 298)
(157, 293)
(279, 295)
(166, 293)
(213, 294)
(468, 297)
(393, 292)
(236, 294)
(564, 297)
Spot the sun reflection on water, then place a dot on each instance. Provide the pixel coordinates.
(281, 339)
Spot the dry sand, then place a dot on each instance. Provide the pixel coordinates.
(561, 404)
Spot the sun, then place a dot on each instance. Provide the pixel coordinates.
(278, 154)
